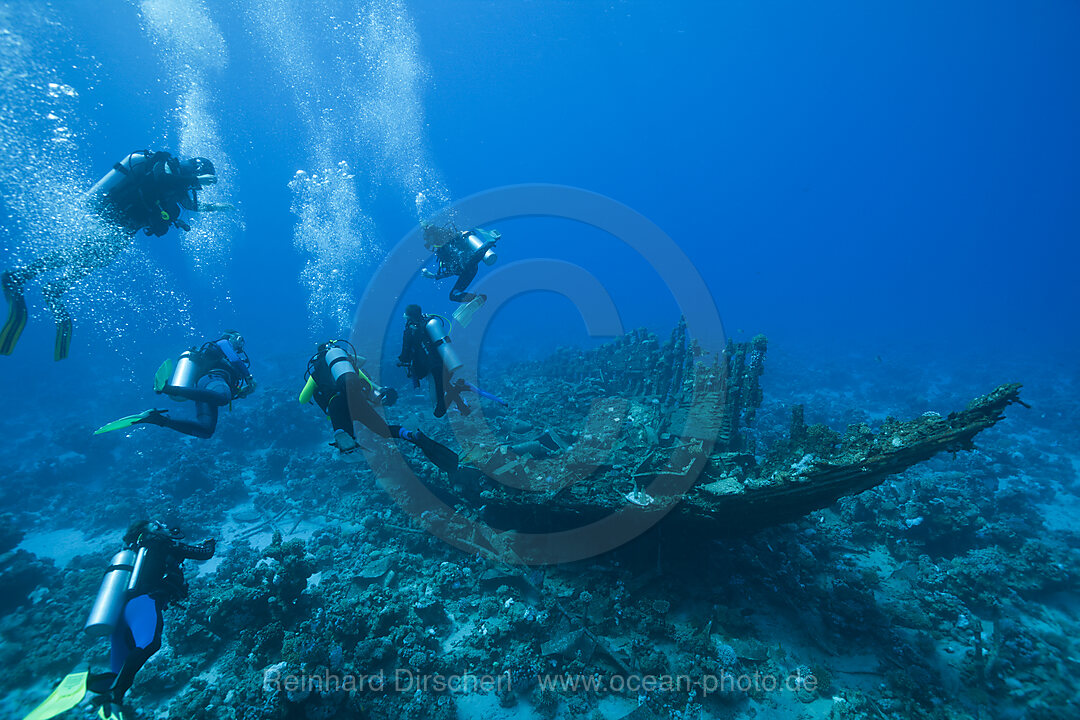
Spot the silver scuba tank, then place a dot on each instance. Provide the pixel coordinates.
(184, 375)
(137, 570)
(339, 362)
(476, 239)
(438, 330)
(114, 177)
(112, 595)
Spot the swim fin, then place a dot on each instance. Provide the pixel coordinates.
(128, 421)
(63, 339)
(464, 314)
(67, 695)
(17, 315)
(164, 372)
(485, 394)
(443, 457)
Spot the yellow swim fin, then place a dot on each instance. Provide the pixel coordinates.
(63, 339)
(164, 372)
(464, 314)
(67, 695)
(16, 320)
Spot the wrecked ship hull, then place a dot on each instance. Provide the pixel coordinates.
(670, 438)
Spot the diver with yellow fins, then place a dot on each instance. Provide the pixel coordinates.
(145, 191)
(459, 254)
(342, 390)
(139, 583)
(212, 375)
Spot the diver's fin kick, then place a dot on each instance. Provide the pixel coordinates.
(128, 421)
(17, 315)
(443, 457)
(464, 314)
(67, 695)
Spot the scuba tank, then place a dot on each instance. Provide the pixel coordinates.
(339, 362)
(120, 171)
(137, 570)
(438, 330)
(185, 374)
(476, 239)
(112, 595)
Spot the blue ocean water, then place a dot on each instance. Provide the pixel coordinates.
(887, 191)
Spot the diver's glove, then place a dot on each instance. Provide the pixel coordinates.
(427, 273)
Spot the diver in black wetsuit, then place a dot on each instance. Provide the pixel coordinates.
(459, 253)
(213, 376)
(157, 579)
(346, 394)
(421, 358)
(144, 191)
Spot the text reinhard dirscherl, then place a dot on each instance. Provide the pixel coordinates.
(405, 680)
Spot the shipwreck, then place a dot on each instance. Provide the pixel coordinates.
(663, 429)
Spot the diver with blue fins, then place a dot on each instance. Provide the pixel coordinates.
(145, 191)
(344, 392)
(212, 375)
(459, 254)
(140, 582)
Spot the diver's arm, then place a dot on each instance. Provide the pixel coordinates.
(214, 207)
(190, 200)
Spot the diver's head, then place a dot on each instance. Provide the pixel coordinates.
(413, 312)
(431, 235)
(200, 169)
(142, 530)
(235, 339)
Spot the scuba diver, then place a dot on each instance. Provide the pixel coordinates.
(423, 351)
(459, 254)
(144, 191)
(426, 350)
(346, 394)
(140, 582)
(212, 375)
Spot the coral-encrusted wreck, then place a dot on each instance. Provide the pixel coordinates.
(663, 426)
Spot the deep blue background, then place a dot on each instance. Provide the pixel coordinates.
(888, 177)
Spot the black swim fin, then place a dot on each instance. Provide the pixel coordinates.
(443, 457)
(17, 315)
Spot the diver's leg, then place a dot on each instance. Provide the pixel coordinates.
(457, 293)
(364, 413)
(203, 426)
(214, 392)
(79, 264)
(438, 384)
(142, 615)
(209, 395)
(338, 412)
(122, 645)
(53, 261)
